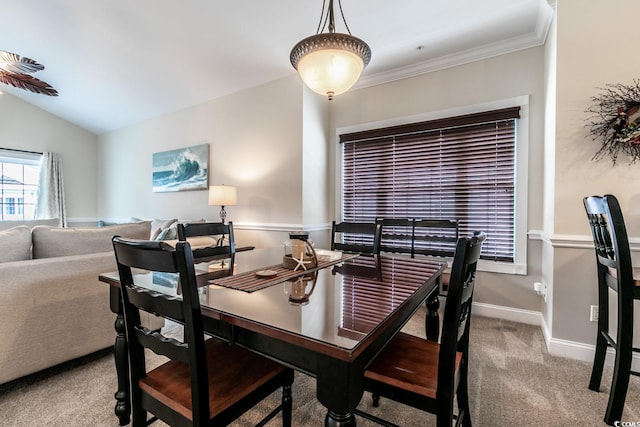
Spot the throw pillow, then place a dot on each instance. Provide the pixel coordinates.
(169, 233)
(159, 225)
(16, 244)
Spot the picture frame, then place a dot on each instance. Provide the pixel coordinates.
(182, 169)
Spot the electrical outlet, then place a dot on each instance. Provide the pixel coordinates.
(593, 314)
(541, 290)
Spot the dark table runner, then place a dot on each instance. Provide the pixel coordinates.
(250, 282)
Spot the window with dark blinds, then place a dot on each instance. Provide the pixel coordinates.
(460, 168)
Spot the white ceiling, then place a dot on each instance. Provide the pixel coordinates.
(118, 62)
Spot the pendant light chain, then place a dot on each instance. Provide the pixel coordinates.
(343, 18)
(322, 26)
(331, 18)
(332, 26)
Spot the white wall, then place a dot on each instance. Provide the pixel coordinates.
(594, 48)
(494, 79)
(26, 127)
(255, 139)
(317, 168)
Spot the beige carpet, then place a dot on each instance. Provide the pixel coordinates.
(513, 382)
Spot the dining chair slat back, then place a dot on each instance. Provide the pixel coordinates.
(205, 381)
(356, 237)
(438, 238)
(615, 272)
(396, 235)
(221, 233)
(435, 237)
(422, 373)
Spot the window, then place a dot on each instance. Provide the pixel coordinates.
(18, 184)
(10, 205)
(461, 167)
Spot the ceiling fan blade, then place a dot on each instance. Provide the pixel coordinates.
(27, 82)
(14, 63)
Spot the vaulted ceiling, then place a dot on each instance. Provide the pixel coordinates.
(118, 62)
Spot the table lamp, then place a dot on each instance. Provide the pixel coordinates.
(222, 195)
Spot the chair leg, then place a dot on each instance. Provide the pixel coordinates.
(138, 413)
(287, 406)
(598, 362)
(376, 400)
(138, 417)
(619, 386)
(444, 415)
(463, 404)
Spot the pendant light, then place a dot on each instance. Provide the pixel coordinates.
(330, 63)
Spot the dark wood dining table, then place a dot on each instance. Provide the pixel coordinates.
(329, 323)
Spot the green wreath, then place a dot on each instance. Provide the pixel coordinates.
(615, 121)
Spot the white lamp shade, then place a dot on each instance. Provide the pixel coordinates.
(222, 195)
(330, 71)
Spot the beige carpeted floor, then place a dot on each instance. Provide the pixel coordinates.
(513, 382)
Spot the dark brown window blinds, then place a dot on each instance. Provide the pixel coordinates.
(457, 168)
(368, 301)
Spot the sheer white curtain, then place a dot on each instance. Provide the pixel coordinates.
(51, 189)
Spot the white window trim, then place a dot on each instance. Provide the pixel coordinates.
(519, 266)
(23, 157)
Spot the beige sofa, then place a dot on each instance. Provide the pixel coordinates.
(53, 308)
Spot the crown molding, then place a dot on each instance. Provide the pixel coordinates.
(514, 44)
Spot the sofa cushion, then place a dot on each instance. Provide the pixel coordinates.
(108, 222)
(15, 243)
(51, 242)
(197, 242)
(5, 225)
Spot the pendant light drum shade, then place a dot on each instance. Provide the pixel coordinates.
(330, 63)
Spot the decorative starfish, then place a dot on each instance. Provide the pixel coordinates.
(300, 262)
(14, 69)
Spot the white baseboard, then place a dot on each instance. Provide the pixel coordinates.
(556, 346)
(508, 313)
(585, 352)
(571, 349)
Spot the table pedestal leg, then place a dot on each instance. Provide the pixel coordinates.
(122, 409)
(337, 420)
(432, 320)
(339, 387)
(123, 405)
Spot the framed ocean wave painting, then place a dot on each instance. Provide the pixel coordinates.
(181, 169)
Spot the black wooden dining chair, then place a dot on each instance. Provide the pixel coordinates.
(225, 243)
(422, 373)
(356, 237)
(205, 382)
(616, 273)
